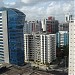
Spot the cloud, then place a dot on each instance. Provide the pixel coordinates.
(68, 7)
(60, 9)
(34, 1)
(38, 9)
(30, 1)
(52, 8)
(1, 3)
(10, 4)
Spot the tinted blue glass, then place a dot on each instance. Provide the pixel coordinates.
(15, 34)
(1, 49)
(0, 18)
(1, 42)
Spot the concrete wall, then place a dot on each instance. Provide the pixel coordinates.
(5, 36)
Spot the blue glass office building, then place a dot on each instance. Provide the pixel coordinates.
(13, 42)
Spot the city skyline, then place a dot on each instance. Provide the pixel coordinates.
(35, 9)
(35, 43)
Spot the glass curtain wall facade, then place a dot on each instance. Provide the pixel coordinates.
(15, 23)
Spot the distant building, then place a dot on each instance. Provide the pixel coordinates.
(27, 28)
(62, 38)
(50, 25)
(40, 47)
(64, 26)
(71, 48)
(68, 18)
(43, 25)
(11, 36)
(32, 26)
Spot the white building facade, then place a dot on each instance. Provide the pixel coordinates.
(4, 53)
(32, 26)
(40, 47)
(72, 48)
(50, 25)
(29, 47)
(48, 48)
(11, 36)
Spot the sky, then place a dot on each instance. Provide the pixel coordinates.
(40, 9)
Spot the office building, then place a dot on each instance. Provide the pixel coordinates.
(11, 36)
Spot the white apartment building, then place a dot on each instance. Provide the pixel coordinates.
(48, 48)
(27, 27)
(40, 47)
(43, 25)
(29, 47)
(32, 26)
(50, 25)
(68, 17)
(72, 48)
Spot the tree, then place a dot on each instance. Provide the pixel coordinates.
(62, 53)
(66, 50)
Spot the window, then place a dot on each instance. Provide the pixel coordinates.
(66, 18)
(1, 45)
(1, 33)
(0, 24)
(1, 39)
(0, 14)
(1, 30)
(0, 21)
(0, 27)
(1, 49)
(0, 18)
(1, 42)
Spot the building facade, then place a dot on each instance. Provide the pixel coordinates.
(40, 47)
(62, 38)
(29, 47)
(32, 26)
(71, 48)
(50, 25)
(64, 26)
(11, 36)
(48, 48)
(68, 17)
